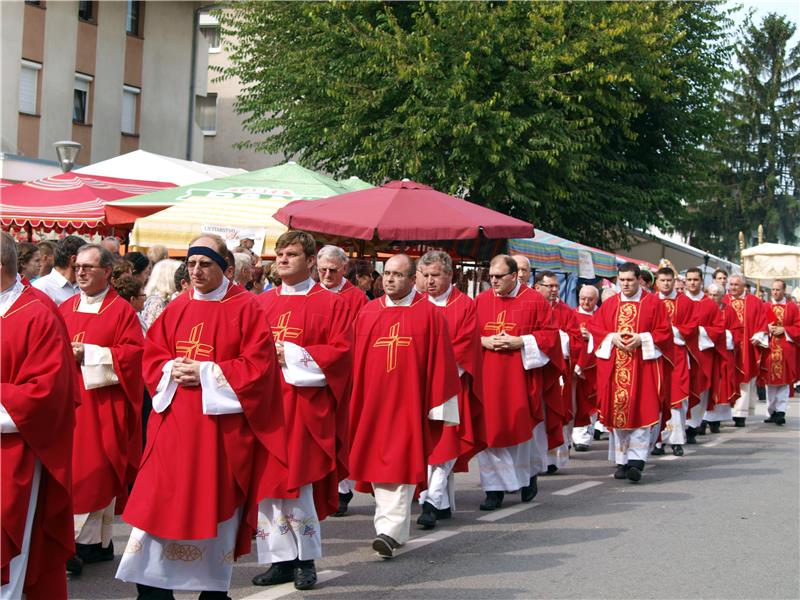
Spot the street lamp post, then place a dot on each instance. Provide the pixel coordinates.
(67, 152)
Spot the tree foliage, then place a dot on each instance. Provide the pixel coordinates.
(585, 118)
(757, 150)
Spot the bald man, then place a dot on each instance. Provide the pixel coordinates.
(523, 268)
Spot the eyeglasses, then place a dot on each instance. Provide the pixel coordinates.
(79, 268)
(494, 276)
(325, 270)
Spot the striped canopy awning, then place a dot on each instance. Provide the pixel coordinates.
(548, 252)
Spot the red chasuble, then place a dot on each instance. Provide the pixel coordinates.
(752, 316)
(37, 386)
(708, 316)
(512, 395)
(404, 366)
(630, 390)
(354, 297)
(198, 469)
(318, 322)
(780, 361)
(108, 428)
(465, 440)
(724, 382)
(680, 313)
(586, 386)
(567, 322)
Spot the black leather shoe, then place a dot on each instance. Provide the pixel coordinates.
(621, 472)
(384, 545)
(702, 429)
(212, 595)
(581, 447)
(677, 450)
(738, 421)
(305, 575)
(552, 469)
(494, 500)
(713, 426)
(771, 418)
(529, 492)
(442, 513)
(75, 565)
(279, 572)
(691, 435)
(597, 435)
(658, 451)
(147, 592)
(344, 502)
(635, 468)
(94, 553)
(780, 418)
(427, 520)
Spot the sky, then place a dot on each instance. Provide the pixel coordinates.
(788, 8)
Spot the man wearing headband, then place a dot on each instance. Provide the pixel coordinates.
(216, 441)
(312, 335)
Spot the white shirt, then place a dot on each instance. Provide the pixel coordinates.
(442, 300)
(55, 285)
(404, 301)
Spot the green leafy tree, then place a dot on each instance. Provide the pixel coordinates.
(583, 117)
(757, 149)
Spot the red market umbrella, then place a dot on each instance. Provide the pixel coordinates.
(401, 211)
(73, 201)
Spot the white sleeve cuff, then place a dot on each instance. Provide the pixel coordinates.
(165, 390)
(728, 340)
(786, 334)
(704, 342)
(447, 412)
(604, 351)
(564, 343)
(218, 396)
(677, 337)
(301, 370)
(761, 339)
(590, 342)
(532, 357)
(579, 372)
(98, 367)
(649, 350)
(7, 424)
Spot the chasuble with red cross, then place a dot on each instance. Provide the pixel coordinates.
(404, 367)
(197, 469)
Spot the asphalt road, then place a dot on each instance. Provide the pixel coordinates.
(721, 522)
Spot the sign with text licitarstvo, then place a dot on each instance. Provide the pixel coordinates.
(233, 234)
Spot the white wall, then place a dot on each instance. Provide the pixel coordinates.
(109, 73)
(11, 18)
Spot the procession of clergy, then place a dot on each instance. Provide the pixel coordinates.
(270, 410)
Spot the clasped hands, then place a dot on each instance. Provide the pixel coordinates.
(626, 341)
(776, 330)
(502, 342)
(186, 372)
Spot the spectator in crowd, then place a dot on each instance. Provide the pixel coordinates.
(60, 284)
(181, 280)
(131, 290)
(159, 289)
(111, 244)
(28, 257)
(242, 272)
(157, 253)
(361, 277)
(47, 250)
(141, 265)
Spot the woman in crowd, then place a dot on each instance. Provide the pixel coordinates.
(27, 260)
(159, 289)
(141, 265)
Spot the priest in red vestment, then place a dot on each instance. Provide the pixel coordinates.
(107, 345)
(585, 373)
(780, 361)
(724, 382)
(518, 338)
(459, 443)
(332, 266)
(216, 442)
(680, 312)
(37, 417)
(313, 336)
(752, 315)
(405, 386)
(560, 397)
(632, 336)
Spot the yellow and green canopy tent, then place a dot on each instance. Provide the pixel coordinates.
(234, 207)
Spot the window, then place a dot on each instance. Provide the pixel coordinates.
(80, 98)
(28, 86)
(130, 95)
(206, 113)
(133, 16)
(86, 10)
(211, 33)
